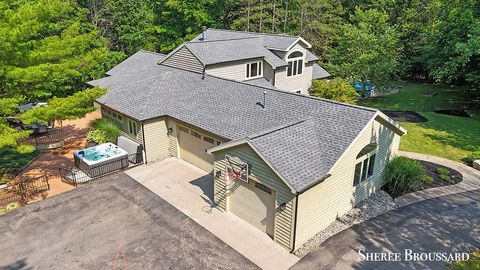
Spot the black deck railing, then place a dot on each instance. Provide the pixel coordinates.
(82, 173)
(24, 190)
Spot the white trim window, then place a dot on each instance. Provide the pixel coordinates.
(296, 64)
(132, 127)
(254, 70)
(365, 164)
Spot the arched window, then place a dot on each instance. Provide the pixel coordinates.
(295, 54)
(365, 163)
(295, 64)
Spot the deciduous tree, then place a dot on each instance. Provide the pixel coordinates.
(368, 49)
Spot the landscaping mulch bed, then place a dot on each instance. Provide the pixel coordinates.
(431, 169)
(405, 116)
(460, 113)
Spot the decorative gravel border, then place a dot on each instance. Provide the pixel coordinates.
(377, 204)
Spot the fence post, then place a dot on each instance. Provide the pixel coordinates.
(48, 184)
(22, 191)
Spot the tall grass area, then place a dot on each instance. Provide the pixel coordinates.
(404, 175)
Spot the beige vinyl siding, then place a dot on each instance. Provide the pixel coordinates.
(263, 174)
(172, 138)
(319, 206)
(124, 125)
(184, 59)
(296, 47)
(294, 83)
(156, 139)
(235, 70)
(173, 147)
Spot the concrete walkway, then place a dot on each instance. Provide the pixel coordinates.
(189, 189)
(471, 180)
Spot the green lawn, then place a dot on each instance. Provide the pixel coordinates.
(445, 136)
(412, 97)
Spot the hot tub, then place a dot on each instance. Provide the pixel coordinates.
(101, 159)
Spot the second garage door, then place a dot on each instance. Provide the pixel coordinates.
(192, 148)
(254, 203)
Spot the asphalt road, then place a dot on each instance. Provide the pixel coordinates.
(443, 225)
(112, 223)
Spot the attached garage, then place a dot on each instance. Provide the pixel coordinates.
(254, 203)
(192, 145)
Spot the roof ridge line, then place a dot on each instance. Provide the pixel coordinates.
(157, 53)
(257, 33)
(297, 94)
(219, 40)
(275, 129)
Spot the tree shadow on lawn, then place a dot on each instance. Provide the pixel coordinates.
(458, 132)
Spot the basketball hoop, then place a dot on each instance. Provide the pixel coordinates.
(236, 170)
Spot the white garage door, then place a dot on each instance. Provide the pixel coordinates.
(192, 148)
(254, 203)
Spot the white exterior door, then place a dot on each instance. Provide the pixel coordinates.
(255, 205)
(192, 149)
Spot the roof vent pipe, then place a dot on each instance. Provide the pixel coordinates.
(264, 99)
(204, 33)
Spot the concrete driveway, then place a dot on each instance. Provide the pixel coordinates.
(190, 190)
(446, 224)
(112, 223)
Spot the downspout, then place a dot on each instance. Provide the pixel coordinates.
(295, 223)
(144, 147)
(274, 75)
(203, 73)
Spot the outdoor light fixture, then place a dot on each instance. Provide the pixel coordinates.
(283, 206)
(218, 173)
(170, 130)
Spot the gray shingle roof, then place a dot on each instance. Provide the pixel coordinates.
(302, 153)
(138, 60)
(309, 57)
(271, 41)
(262, 82)
(213, 52)
(319, 73)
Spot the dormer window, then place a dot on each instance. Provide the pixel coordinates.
(254, 70)
(295, 64)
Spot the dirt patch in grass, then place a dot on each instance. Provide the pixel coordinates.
(405, 116)
(460, 113)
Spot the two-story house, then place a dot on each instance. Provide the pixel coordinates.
(281, 61)
(287, 163)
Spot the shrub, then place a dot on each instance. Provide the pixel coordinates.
(443, 173)
(427, 179)
(103, 130)
(336, 89)
(473, 156)
(403, 175)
